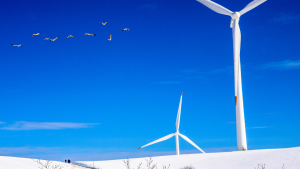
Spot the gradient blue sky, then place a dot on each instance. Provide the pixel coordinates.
(91, 99)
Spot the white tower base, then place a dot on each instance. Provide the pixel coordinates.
(177, 143)
(240, 119)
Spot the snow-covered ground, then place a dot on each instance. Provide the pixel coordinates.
(272, 158)
(26, 163)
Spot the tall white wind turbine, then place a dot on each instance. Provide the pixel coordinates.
(235, 17)
(176, 134)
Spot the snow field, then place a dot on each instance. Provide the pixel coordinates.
(26, 163)
(272, 158)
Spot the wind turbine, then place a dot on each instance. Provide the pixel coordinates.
(235, 17)
(176, 134)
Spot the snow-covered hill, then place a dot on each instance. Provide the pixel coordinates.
(272, 158)
(26, 163)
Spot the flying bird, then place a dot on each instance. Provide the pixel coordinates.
(70, 36)
(53, 39)
(104, 23)
(89, 34)
(109, 38)
(17, 45)
(35, 34)
(126, 29)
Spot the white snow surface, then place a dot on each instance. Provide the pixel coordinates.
(26, 163)
(272, 158)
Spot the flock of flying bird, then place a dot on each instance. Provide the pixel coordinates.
(70, 36)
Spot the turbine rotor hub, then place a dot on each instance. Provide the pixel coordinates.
(235, 15)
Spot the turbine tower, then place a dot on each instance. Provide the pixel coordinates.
(176, 134)
(235, 17)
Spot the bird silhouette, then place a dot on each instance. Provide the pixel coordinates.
(126, 29)
(17, 45)
(70, 36)
(109, 38)
(104, 23)
(89, 34)
(35, 34)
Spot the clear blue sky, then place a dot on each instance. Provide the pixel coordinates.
(92, 99)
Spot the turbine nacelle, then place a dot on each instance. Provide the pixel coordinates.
(234, 16)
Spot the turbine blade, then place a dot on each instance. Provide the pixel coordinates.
(236, 51)
(159, 140)
(252, 5)
(190, 141)
(216, 7)
(178, 114)
(231, 23)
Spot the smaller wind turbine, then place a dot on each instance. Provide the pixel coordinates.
(176, 134)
